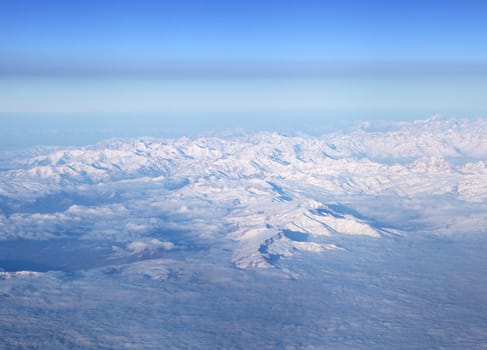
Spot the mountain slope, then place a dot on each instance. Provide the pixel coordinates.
(263, 195)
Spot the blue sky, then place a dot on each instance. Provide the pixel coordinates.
(241, 30)
(308, 59)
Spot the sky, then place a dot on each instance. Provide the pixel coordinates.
(184, 66)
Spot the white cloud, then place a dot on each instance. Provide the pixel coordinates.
(137, 247)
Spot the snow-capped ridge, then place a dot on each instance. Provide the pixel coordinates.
(251, 188)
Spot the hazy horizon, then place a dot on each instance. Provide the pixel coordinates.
(191, 67)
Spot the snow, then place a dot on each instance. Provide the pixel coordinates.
(249, 188)
(357, 240)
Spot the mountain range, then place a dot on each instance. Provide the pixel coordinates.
(263, 195)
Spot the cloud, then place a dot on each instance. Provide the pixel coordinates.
(152, 245)
(136, 227)
(236, 69)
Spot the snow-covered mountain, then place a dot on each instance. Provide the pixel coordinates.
(263, 195)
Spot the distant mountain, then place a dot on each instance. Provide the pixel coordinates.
(265, 195)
